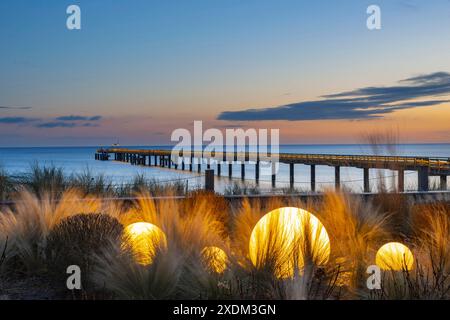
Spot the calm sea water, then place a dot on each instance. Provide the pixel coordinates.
(76, 160)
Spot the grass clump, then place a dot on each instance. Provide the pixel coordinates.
(7, 185)
(75, 241)
(28, 223)
(43, 180)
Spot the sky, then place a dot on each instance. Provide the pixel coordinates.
(139, 69)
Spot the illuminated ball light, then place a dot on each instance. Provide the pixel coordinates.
(145, 239)
(215, 259)
(284, 236)
(394, 256)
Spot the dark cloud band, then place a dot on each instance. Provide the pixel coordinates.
(363, 103)
(78, 118)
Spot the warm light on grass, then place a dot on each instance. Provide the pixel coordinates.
(286, 238)
(215, 259)
(145, 238)
(395, 256)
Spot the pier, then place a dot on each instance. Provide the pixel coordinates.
(424, 166)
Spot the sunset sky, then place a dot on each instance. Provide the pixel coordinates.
(138, 69)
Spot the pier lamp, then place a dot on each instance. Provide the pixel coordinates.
(145, 239)
(215, 259)
(287, 237)
(394, 256)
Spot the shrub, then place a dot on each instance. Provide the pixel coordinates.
(6, 185)
(77, 239)
(46, 179)
(28, 223)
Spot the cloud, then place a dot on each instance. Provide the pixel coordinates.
(89, 124)
(64, 124)
(232, 126)
(56, 124)
(17, 120)
(20, 108)
(363, 103)
(78, 118)
(71, 121)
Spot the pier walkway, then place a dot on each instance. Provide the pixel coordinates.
(425, 166)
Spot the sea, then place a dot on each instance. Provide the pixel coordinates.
(77, 160)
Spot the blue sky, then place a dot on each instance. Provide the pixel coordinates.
(139, 69)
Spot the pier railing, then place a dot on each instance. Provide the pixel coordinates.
(372, 161)
(425, 166)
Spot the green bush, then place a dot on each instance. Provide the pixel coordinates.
(76, 241)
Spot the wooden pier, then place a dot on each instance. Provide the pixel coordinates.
(424, 166)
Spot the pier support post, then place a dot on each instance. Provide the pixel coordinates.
(219, 168)
(169, 162)
(274, 177)
(199, 165)
(182, 164)
(423, 179)
(313, 178)
(243, 171)
(291, 175)
(209, 180)
(337, 177)
(366, 180)
(401, 180)
(443, 180)
(230, 170)
(257, 172)
(191, 164)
